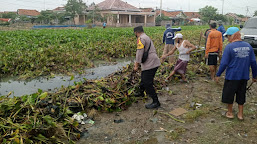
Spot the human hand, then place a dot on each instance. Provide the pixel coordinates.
(135, 68)
(254, 79)
(188, 52)
(217, 79)
(206, 56)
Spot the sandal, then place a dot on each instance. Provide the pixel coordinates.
(240, 119)
(225, 115)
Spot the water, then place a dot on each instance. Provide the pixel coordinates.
(19, 88)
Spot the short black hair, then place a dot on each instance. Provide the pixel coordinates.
(213, 25)
(139, 29)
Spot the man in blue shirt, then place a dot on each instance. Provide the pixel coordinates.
(104, 25)
(169, 41)
(237, 59)
(221, 29)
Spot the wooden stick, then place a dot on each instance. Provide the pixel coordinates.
(172, 117)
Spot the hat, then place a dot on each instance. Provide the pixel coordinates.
(179, 35)
(139, 29)
(231, 31)
(220, 22)
(167, 25)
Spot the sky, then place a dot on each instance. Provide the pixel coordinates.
(234, 6)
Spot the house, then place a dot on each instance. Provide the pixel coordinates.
(191, 15)
(59, 10)
(177, 17)
(28, 13)
(121, 14)
(236, 19)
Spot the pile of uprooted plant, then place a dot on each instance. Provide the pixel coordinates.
(47, 117)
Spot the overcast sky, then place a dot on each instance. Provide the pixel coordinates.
(235, 6)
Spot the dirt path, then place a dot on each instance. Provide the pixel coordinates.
(202, 125)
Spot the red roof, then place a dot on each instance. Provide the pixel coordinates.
(28, 12)
(192, 14)
(117, 5)
(169, 14)
(59, 9)
(5, 20)
(147, 9)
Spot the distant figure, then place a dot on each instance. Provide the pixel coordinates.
(213, 49)
(205, 35)
(169, 41)
(184, 47)
(221, 29)
(237, 59)
(104, 25)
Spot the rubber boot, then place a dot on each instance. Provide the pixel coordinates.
(154, 104)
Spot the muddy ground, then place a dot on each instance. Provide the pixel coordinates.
(202, 125)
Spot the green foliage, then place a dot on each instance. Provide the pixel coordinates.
(220, 17)
(74, 7)
(161, 18)
(208, 13)
(94, 15)
(10, 15)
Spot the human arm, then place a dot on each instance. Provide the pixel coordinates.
(139, 53)
(164, 36)
(189, 45)
(170, 53)
(178, 29)
(224, 61)
(208, 45)
(253, 65)
(220, 45)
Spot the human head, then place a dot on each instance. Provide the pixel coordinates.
(138, 31)
(167, 26)
(231, 32)
(213, 25)
(178, 37)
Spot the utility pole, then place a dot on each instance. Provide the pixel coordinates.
(188, 5)
(161, 8)
(247, 10)
(45, 4)
(222, 7)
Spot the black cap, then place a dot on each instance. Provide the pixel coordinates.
(139, 29)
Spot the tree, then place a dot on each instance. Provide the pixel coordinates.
(221, 17)
(94, 15)
(159, 19)
(255, 13)
(10, 15)
(75, 7)
(208, 13)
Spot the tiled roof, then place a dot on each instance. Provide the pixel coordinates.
(147, 9)
(169, 14)
(192, 14)
(28, 12)
(233, 15)
(5, 20)
(59, 9)
(116, 5)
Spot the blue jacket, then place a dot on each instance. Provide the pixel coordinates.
(169, 35)
(222, 30)
(237, 59)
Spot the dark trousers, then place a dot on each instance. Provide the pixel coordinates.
(146, 84)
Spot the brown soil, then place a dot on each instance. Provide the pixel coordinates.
(202, 125)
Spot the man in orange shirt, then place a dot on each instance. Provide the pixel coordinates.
(213, 49)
